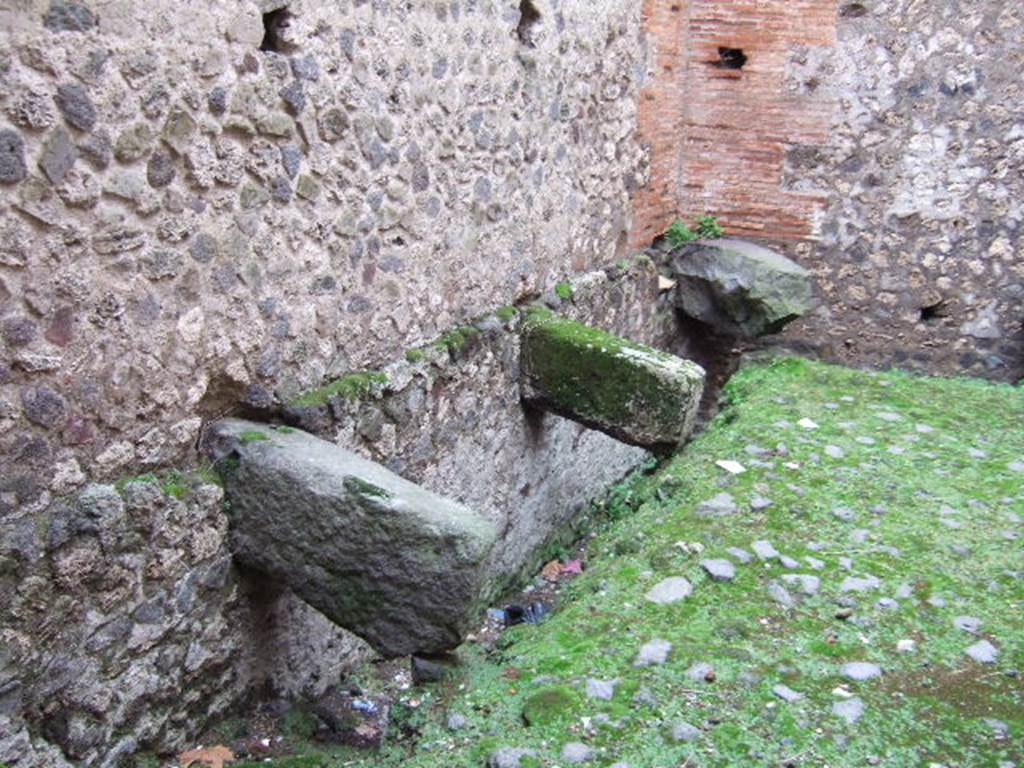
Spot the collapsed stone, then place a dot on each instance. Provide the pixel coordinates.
(739, 288)
(399, 566)
(634, 393)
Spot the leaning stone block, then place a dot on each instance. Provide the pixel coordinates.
(634, 393)
(738, 287)
(399, 566)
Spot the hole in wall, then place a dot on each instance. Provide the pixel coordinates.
(275, 28)
(730, 58)
(528, 18)
(853, 11)
(932, 313)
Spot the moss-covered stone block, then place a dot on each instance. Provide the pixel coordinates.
(634, 393)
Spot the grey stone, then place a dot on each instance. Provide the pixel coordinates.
(333, 124)
(76, 106)
(399, 566)
(12, 157)
(203, 248)
(834, 452)
(58, 155)
(764, 550)
(633, 393)
(804, 582)
(456, 722)
(509, 757)
(720, 505)
(968, 624)
(293, 96)
(69, 16)
(788, 562)
(291, 160)
(757, 503)
(814, 562)
(741, 555)
(305, 68)
(983, 652)
(844, 514)
(18, 331)
(786, 693)
(576, 752)
(701, 672)
(860, 671)
(887, 604)
(738, 287)
(603, 690)
(684, 732)
(160, 170)
(859, 584)
(719, 570)
(43, 406)
(849, 710)
(670, 590)
(780, 595)
(654, 652)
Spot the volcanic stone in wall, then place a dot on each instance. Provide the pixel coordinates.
(739, 288)
(399, 566)
(634, 393)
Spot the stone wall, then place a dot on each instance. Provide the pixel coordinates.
(189, 219)
(879, 143)
(203, 206)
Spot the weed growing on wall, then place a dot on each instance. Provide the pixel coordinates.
(706, 228)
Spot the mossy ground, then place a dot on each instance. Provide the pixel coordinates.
(910, 446)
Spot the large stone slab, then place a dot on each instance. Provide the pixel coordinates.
(634, 393)
(738, 287)
(399, 566)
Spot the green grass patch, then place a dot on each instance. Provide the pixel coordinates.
(353, 386)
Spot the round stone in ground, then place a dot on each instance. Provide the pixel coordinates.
(575, 752)
(719, 570)
(701, 672)
(850, 710)
(967, 624)
(685, 732)
(721, 505)
(786, 693)
(670, 590)
(860, 671)
(654, 652)
(601, 689)
(509, 757)
(983, 652)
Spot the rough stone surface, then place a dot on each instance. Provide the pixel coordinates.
(860, 671)
(719, 570)
(983, 652)
(738, 287)
(670, 590)
(720, 505)
(631, 392)
(508, 757)
(654, 652)
(76, 106)
(399, 566)
(12, 157)
(850, 710)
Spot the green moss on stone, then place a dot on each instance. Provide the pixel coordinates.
(354, 386)
(363, 488)
(564, 291)
(415, 355)
(253, 436)
(456, 339)
(587, 373)
(176, 484)
(506, 314)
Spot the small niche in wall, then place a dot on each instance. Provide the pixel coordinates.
(853, 11)
(730, 58)
(275, 27)
(528, 18)
(933, 313)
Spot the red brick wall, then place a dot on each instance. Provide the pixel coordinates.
(718, 137)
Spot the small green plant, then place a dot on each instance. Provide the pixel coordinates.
(506, 314)
(285, 430)
(252, 436)
(120, 485)
(707, 228)
(456, 339)
(176, 484)
(353, 386)
(415, 355)
(564, 291)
